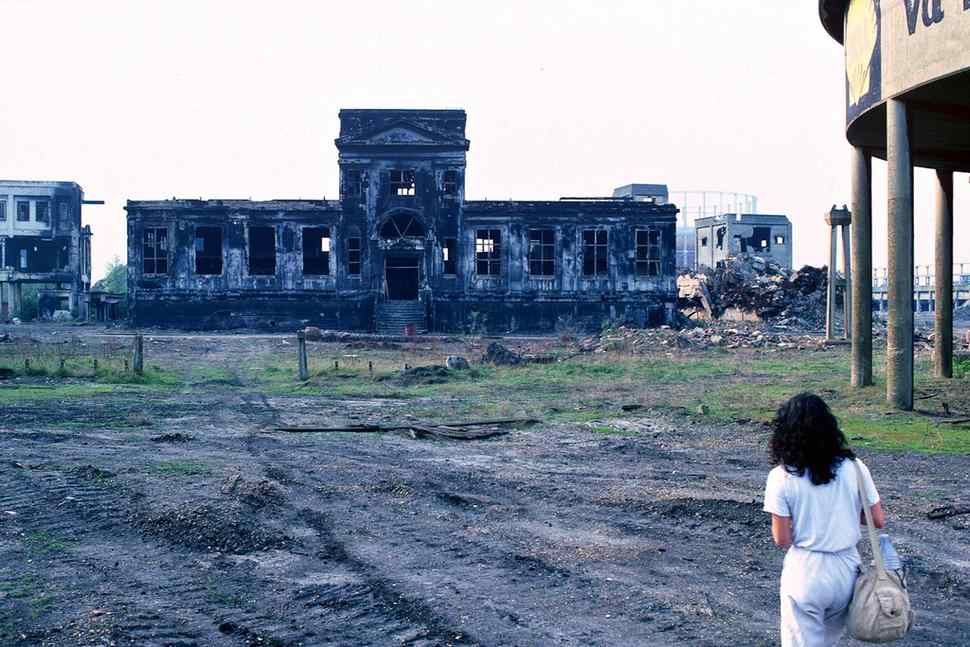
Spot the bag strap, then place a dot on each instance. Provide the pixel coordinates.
(873, 538)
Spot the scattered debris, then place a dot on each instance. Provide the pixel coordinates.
(457, 363)
(92, 473)
(423, 375)
(176, 437)
(499, 355)
(312, 333)
(947, 511)
(728, 335)
(470, 430)
(962, 313)
(256, 494)
(207, 528)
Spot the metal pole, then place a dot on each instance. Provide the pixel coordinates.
(862, 264)
(899, 332)
(943, 320)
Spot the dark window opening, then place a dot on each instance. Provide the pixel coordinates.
(720, 237)
(352, 183)
(23, 211)
(488, 252)
(316, 251)
(353, 256)
(42, 211)
(760, 240)
(155, 250)
(450, 184)
(704, 241)
(3, 208)
(262, 251)
(595, 252)
(38, 255)
(648, 252)
(402, 182)
(542, 252)
(208, 250)
(402, 225)
(449, 256)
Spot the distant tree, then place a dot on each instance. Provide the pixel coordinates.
(115, 277)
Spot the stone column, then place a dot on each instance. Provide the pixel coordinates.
(833, 279)
(899, 333)
(861, 287)
(847, 291)
(943, 319)
(15, 290)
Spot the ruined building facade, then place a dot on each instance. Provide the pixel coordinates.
(401, 247)
(42, 242)
(719, 238)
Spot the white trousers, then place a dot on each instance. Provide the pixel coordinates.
(816, 589)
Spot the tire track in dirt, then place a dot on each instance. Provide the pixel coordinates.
(64, 517)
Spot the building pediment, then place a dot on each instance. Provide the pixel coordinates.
(402, 133)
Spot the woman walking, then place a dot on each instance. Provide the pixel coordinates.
(813, 496)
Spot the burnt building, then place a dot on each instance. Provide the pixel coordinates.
(43, 243)
(401, 246)
(725, 236)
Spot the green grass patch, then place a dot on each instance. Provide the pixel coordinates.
(180, 468)
(43, 543)
(22, 586)
(961, 367)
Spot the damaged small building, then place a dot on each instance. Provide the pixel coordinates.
(42, 242)
(401, 248)
(719, 238)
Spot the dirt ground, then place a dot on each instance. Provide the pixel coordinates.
(177, 516)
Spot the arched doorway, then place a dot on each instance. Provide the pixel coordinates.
(402, 261)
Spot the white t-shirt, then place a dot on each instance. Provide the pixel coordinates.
(825, 518)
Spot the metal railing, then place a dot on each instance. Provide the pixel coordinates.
(924, 278)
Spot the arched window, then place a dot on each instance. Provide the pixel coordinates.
(402, 225)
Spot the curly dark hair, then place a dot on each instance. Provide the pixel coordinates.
(806, 436)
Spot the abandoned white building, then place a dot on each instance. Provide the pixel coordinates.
(401, 247)
(721, 237)
(42, 242)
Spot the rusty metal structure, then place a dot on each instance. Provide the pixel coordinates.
(401, 248)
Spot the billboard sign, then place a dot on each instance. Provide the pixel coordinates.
(892, 46)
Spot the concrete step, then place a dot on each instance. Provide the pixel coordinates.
(392, 317)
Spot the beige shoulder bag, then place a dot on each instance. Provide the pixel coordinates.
(880, 611)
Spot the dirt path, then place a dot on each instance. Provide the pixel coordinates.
(201, 528)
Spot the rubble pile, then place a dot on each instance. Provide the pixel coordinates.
(499, 355)
(961, 313)
(715, 335)
(750, 288)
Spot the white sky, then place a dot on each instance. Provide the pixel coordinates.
(149, 100)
